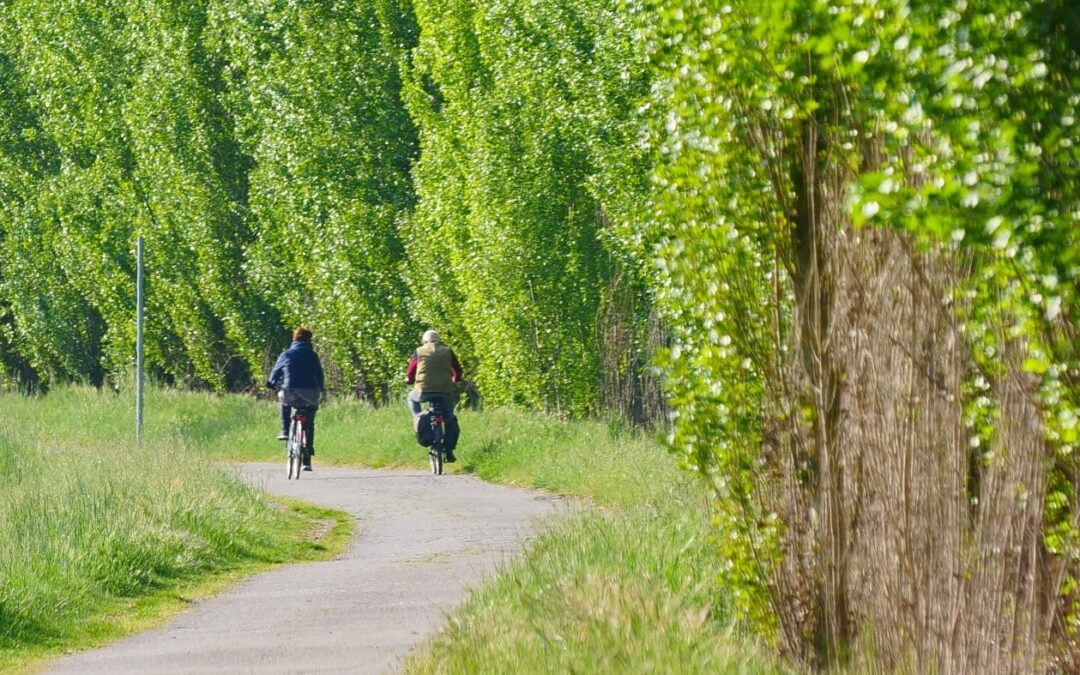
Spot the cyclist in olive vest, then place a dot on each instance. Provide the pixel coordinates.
(433, 370)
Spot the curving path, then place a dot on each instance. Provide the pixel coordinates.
(422, 541)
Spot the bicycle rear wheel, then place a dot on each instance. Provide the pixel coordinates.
(296, 445)
(435, 454)
(305, 451)
(289, 451)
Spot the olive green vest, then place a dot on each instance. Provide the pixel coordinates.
(433, 369)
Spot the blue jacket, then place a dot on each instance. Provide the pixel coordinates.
(298, 367)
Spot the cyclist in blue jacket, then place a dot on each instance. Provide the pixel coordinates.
(298, 375)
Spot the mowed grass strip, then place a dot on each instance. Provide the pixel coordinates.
(98, 538)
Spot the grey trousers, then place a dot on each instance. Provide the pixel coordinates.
(415, 398)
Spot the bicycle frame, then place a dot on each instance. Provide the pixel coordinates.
(298, 443)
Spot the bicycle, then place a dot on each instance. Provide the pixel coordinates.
(436, 451)
(296, 445)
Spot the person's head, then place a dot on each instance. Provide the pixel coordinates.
(301, 334)
(430, 336)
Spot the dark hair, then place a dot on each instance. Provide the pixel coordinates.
(301, 334)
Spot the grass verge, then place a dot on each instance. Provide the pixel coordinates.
(99, 539)
(619, 591)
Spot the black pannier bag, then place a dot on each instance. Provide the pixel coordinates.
(425, 435)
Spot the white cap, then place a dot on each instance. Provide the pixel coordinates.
(430, 336)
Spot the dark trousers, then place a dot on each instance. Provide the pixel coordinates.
(309, 426)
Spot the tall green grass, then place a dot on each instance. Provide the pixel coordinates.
(88, 521)
(627, 590)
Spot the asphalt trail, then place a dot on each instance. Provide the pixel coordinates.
(422, 542)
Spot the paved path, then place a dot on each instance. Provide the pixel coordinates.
(422, 541)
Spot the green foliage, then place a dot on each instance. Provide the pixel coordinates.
(720, 232)
(996, 151)
(952, 124)
(103, 160)
(266, 153)
(315, 92)
(265, 171)
(520, 107)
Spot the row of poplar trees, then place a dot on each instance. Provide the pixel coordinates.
(845, 232)
(368, 168)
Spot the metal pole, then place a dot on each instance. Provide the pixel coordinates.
(139, 342)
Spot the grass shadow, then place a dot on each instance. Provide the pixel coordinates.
(480, 456)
